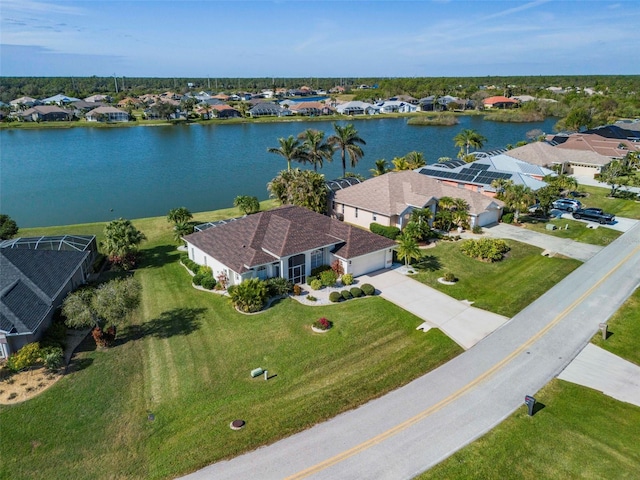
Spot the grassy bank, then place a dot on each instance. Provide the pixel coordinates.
(524, 269)
(186, 359)
(573, 230)
(599, 197)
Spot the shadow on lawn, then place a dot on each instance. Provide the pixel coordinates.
(179, 321)
(428, 262)
(159, 256)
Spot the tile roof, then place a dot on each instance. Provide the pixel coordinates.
(498, 99)
(608, 147)
(544, 155)
(288, 230)
(391, 193)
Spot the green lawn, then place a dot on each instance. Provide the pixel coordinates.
(577, 231)
(187, 359)
(598, 197)
(580, 433)
(527, 273)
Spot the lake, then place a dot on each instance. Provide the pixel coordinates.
(77, 175)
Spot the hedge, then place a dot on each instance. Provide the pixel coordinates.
(368, 289)
(389, 232)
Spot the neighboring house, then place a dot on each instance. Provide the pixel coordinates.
(129, 102)
(312, 109)
(45, 113)
(264, 109)
(353, 108)
(287, 242)
(24, 102)
(609, 147)
(405, 98)
(37, 274)
(562, 160)
(393, 106)
(59, 99)
(99, 98)
(224, 111)
(389, 200)
(477, 176)
(107, 114)
(499, 102)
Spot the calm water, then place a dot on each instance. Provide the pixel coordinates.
(77, 175)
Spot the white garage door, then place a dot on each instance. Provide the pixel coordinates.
(583, 170)
(487, 218)
(367, 263)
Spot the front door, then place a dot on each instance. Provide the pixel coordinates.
(297, 273)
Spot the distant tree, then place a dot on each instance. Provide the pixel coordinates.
(289, 149)
(381, 167)
(121, 240)
(467, 139)
(400, 164)
(415, 160)
(518, 198)
(562, 181)
(304, 188)
(247, 204)
(316, 150)
(8, 227)
(577, 118)
(179, 215)
(164, 109)
(104, 308)
(346, 140)
(408, 248)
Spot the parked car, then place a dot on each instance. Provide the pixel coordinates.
(594, 214)
(568, 204)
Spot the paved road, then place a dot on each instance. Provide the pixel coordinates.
(417, 426)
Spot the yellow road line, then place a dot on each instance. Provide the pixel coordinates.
(446, 401)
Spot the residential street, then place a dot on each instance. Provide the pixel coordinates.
(415, 427)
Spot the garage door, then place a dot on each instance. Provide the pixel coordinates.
(583, 171)
(367, 263)
(487, 218)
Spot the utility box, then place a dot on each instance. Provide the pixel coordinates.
(550, 226)
(530, 402)
(256, 372)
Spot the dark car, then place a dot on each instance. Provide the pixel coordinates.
(567, 204)
(594, 214)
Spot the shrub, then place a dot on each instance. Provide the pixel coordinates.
(347, 279)
(486, 249)
(249, 296)
(197, 278)
(24, 358)
(55, 335)
(297, 290)
(315, 272)
(205, 270)
(52, 358)
(222, 280)
(507, 218)
(356, 292)
(449, 277)
(346, 294)
(191, 265)
(336, 266)
(389, 232)
(328, 278)
(368, 289)
(208, 282)
(477, 229)
(323, 324)
(316, 284)
(278, 286)
(335, 297)
(311, 298)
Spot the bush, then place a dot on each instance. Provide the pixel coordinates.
(356, 292)
(52, 358)
(507, 218)
(297, 290)
(316, 284)
(346, 294)
(335, 297)
(249, 296)
(449, 277)
(477, 229)
(336, 266)
(24, 358)
(56, 334)
(191, 265)
(323, 324)
(389, 232)
(328, 278)
(486, 249)
(368, 289)
(205, 270)
(315, 272)
(347, 279)
(311, 298)
(197, 278)
(208, 282)
(278, 286)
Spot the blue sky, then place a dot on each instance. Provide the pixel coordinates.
(140, 38)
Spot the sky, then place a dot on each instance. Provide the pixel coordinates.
(326, 38)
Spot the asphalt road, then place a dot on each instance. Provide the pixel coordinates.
(417, 426)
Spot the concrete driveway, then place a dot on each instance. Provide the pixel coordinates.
(621, 224)
(463, 323)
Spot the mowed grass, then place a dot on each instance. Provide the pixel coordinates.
(504, 287)
(580, 433)
(186, 359)
(577, 231)
(599, 197)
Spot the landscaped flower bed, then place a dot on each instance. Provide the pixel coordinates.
(322, 325)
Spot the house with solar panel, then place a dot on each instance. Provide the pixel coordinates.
(37, 274)
(477, 176)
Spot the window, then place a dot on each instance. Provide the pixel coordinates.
(342, 207)
(356, 213)
(317, 258)
(375, 217)
(261, 272)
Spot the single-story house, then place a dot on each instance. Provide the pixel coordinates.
(392, 106)
(59, 99)
(45, 113)
(99, 98)
(24, 102)
(353, 108)
(310, 108)
(609, 147)
(287, 242)
(499, 102)
(107, 114)
(389, 200)
(265, 109)
(37, 274)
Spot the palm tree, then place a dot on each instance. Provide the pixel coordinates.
(408, 248)
(346, 140)
(468, 138)
(181, 230)
(500, 184)
(121, 240)
(415, 160)
(382, 167)
(290, 150)
(179, 215)
(460, 212)
(518, 197)
(400, 164)
(316, 151)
